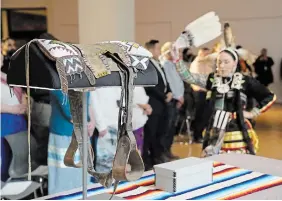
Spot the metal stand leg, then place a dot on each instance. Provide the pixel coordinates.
(181, 127)
(190, 137)
(84, 146)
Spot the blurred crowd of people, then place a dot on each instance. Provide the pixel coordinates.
(157, 114)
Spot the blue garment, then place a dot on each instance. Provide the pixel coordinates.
(60, 120)
(60, 177)
(175, 82)
(12, 123)
(6, 156)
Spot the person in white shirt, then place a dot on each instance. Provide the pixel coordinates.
(106, 109)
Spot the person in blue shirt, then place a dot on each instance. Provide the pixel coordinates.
(62, 178)
(13, 122)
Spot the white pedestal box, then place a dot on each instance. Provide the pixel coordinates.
(183, 174)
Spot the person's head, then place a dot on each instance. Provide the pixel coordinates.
(188, 55)
(8, 47)
(11, 44)
(227, 62)
(203, 52)
(165, 50)
(154, 47)
(47, 36)
(187, 51)
(264, 52)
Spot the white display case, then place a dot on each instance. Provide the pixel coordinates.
(183, 174)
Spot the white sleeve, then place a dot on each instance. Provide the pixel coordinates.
(140, 96)
(98, 111)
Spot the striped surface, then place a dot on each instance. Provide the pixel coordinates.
(229, 182)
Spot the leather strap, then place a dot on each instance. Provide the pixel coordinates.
(105, 179)
(127, 155)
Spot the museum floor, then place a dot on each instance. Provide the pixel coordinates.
(268, 128)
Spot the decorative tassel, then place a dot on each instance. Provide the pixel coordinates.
(29, 107)
(229, 41)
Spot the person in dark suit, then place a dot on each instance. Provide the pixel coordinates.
(281, 69)
(159, 96)
(263, 69)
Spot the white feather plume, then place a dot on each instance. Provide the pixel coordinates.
(203, 30)
(198, 32)
(247, 55)
(201, 20)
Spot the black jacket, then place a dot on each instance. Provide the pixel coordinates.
(281, 69)
(157, 94)
(264, 71)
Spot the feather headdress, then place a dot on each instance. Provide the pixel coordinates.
(229, 41)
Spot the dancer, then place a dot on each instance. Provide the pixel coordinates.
(228, 129)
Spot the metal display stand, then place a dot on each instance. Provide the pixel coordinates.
(23, 63)
(84, 146)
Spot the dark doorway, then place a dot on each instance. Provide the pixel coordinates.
(24, 25)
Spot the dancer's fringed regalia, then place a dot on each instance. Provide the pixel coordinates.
(228, 129)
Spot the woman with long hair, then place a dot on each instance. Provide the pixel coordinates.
(229, 129)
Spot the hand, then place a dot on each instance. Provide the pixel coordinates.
(103, 133)
(19, 109)
(248, 115)
(90, 128)
(175, 53)
(180, 52)
(148, 109)
(254, 75)
(178, 105)
(168, 97)
(181, 100)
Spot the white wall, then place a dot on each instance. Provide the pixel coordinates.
(256, 24)
(103, 20)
